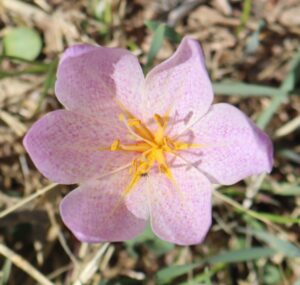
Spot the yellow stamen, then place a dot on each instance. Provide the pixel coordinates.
(140, 168)
(159, 120)
(152, 148)
(183, 146)
(115, 145)
(140, 133)
(139, 128)
(159, 134)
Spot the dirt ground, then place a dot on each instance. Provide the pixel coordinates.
(253, 58)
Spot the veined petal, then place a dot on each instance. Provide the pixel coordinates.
(180, 214)
(77, 50)
(179, 87)
(136, 200)
(96, 212)
(233, 147)
(90, 77)
(64, 146)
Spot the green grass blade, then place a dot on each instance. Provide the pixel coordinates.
(170, 33)
(283, 246)
(287, 86)
(156, 44)
(167, 274)
(245, 89)
(247, 4)
(5, 272)
(278, 219)
(242, 255)
(290, 155)
(268, 114)
(292, 77)
(282, 189)
(49, 82)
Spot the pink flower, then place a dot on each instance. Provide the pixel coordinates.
(142, 149)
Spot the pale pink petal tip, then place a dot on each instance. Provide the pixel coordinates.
(94, 213)
(76, 50)
(233, 147)
(180, 86)
(63, 145)
(90, 78)
(181, 215)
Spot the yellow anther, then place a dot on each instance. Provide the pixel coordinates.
(115, 145)
(152, 148)
(122, 118)
(167, 145)
(180, 146)
(159, 134)
(134, 122)
(133, 167)
(140, 129)
(159, 120)
(183, 146)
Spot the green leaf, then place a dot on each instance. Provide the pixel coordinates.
(24, 43)
(282, 189)
(254, 40)
(152, 25)
(268, 114)
(293, 75)
(205, 276)
(151, 241)
(247, 4)
(156, 44)
(271, 275)
(6, 270)
(245, 89)
(287, 86)
(49, 82)
(283, 246)
(167, 274)
(291, 155)
(170, 33)
(242, 255)
(278, 219)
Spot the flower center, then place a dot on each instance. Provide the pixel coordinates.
(151, 147)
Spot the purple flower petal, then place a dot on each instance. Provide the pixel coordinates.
(95, 211)
(180, 214)
(233, 147)
(180, 85)
(89, 77)
(64, 146)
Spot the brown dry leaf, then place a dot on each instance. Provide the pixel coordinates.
(223, 6)
(290, 17)
(55, 26)
(205, 16)
(11, 89)
(13, 122)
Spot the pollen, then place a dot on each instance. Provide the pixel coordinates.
(151, 148)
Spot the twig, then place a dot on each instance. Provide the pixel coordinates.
(252, 190)
(288, 128)
(60, 235)
(180, 12)
(27, 200)
(24, 265)
(245, 210)
(91, 267)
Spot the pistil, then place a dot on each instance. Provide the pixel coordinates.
(151, 147)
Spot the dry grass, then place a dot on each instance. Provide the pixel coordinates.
(255, 48)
